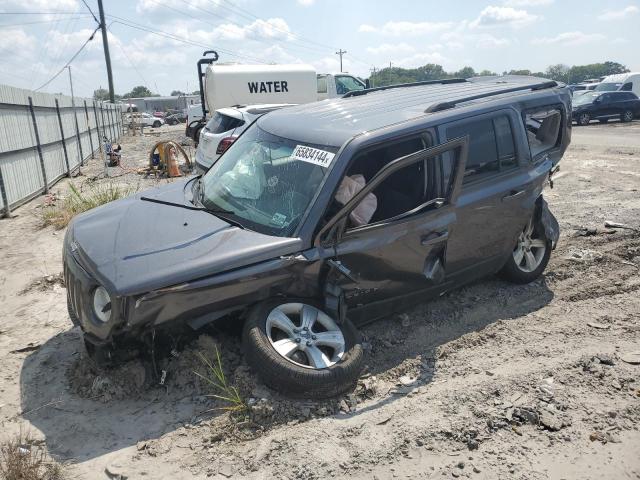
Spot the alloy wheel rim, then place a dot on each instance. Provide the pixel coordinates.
(584, 118)
(529, 250)
(628, 116)
(305, 336)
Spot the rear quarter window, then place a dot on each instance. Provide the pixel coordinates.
(220, 123)
(543, 129)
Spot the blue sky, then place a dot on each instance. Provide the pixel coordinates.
(492, 34)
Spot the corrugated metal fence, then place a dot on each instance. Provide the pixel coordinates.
(44, 137)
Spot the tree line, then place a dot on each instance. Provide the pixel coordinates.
(136, 92)
(431, 71)
(559, 72)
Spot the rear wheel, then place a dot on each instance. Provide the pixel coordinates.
(530, 255)
(584, 119)
(157, 124)
(299, 350)
(627, 116)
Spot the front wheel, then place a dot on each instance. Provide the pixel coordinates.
(530, 255)
(301, 351)
(627, 116)
(584, 119)
(156, 124)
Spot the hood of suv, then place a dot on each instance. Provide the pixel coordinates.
(134, 246)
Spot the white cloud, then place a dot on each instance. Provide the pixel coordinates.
(569, 39)
(388, 48)
(272, 29)
(16, 39)
(420, 59)
(463, 36)
(619, 14)
(493, 16)
(489, 41)
(527, 3)
(396, 29)
(147, 6)
(306, 3)
(41, 5)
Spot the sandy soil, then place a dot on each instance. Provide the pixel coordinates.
(491, 381)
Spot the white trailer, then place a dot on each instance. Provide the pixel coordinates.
(229, 85)
(626, 82)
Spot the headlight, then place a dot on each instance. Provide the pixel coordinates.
(102, 304)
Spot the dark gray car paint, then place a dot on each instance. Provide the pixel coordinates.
(164, 263)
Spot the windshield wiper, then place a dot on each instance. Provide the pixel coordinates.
(187, 207)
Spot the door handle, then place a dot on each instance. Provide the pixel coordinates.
(435, 237)
(513, 194)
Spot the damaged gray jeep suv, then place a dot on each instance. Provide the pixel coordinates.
(325, 216)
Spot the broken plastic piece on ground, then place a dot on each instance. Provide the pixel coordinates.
(610, 224)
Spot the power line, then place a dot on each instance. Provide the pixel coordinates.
(226, 19)
(164, 34)
(39, 21)
(92, 14)
(70, 60)
(299, 37)
(52, 52)
(255, 17)
(38, 13)
(144, 81)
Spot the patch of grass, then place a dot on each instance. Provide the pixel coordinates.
(80, 200)
(226, 392)
(21, 460)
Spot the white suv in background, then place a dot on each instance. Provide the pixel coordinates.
(144, 119)
(225, 125)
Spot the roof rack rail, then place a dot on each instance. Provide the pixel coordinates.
(357, 93)
(437, 107)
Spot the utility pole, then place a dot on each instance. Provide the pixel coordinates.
(373, 74)
(75, 117)
(389, 65)
(341, 52)
(107, 57)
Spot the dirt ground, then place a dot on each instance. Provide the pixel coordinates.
(491, 381)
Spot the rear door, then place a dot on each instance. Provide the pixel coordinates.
(400, 250)
(500, 186)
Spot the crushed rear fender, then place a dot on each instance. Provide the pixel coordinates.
(548, 222)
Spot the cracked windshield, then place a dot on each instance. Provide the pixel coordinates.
(266, 182)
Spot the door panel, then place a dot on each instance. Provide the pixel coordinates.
(390, 260)
(404, 254)
(497, 201)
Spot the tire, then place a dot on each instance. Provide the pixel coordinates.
(196, 136)
(290, 375)
(522, 271)
(72, 315)
(584, 119)
(627, 116)
(603, 120)
(157, 124)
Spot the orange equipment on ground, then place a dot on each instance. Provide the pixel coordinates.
(163, 158)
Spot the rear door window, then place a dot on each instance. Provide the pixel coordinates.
(543, 129)
(220, 123)
(491, 146)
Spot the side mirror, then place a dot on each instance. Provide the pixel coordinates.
(598, 100)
